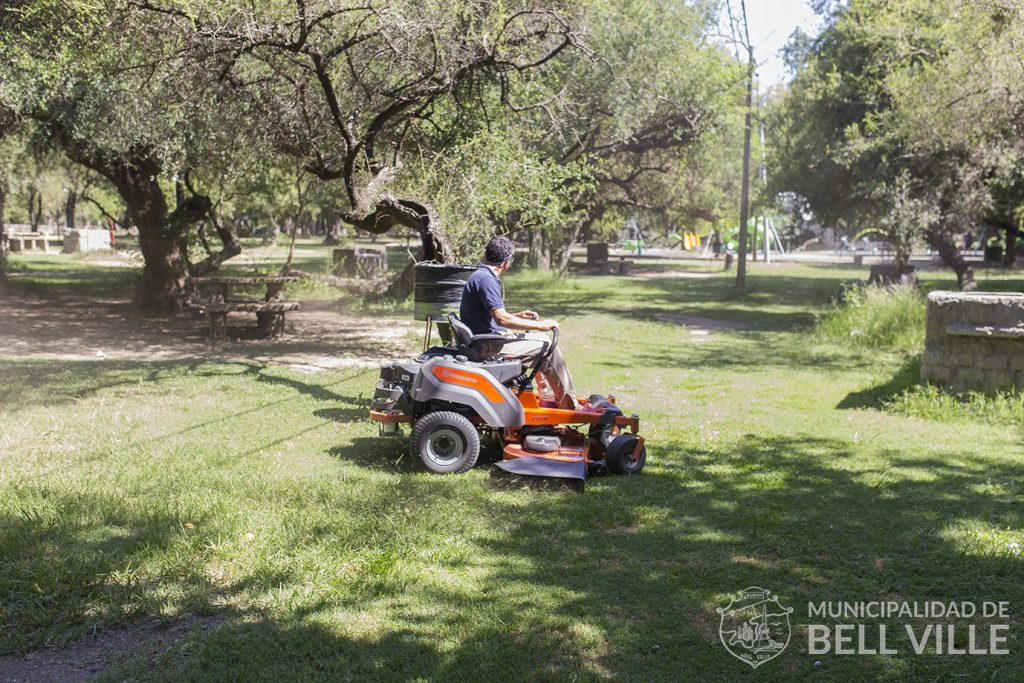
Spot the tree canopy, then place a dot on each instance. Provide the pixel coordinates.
(906, 117)
(458, 120)
(453, 119)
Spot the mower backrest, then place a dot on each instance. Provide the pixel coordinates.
(463, 335)
(475, 347)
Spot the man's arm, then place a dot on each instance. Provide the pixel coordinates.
(520, 321)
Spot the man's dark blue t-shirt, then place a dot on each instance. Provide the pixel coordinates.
(481, 295)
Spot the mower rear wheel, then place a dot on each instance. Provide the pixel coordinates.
(619, 455)
(446, 442)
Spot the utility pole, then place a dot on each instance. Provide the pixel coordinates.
(743, 38)
(764, 182)
(741, 266)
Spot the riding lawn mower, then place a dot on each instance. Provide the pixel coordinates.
(451, 395)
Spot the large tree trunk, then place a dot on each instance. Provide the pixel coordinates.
(537, 254)
(944, 242)
(566, 256)
(1006, 223)
(333, 234)
(35, 208)
(69, 209)
(165, 284)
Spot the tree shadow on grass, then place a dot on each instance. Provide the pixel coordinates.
(724, 318)
(640, 559)
(389, 454)
(906, 376)
(784, 290)
(61, 558)
(31, 382)
(354, 408)
(622, 583)
(644, 298)
(735, 350)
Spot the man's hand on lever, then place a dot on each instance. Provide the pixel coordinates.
(532, 315)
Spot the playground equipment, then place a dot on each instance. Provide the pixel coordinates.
(759, 229)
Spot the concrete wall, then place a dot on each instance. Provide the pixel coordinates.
(974, 341)
(87, 240)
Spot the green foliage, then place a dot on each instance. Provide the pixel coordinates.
(904, 116)
(489, 183)
(889, 319)
(477, 109)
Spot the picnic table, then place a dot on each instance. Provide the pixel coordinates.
(269, 311)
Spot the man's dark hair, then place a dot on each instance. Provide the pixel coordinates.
(499, 250)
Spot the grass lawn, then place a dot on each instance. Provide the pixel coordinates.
(262, 497)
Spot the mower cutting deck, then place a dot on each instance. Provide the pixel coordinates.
(450, 394)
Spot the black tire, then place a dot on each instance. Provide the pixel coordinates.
(446, 442)
(619, 455)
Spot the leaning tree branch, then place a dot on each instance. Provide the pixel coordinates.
(102, 209)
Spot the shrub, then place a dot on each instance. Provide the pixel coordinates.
(876, 319)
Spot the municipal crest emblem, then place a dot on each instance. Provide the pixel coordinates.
(754, 627)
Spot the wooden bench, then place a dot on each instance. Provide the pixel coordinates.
(269, 315)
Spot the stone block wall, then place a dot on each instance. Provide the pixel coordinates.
(974, 341)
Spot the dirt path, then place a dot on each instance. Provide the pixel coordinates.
(701, 328)
(319, 336)
(92, 655)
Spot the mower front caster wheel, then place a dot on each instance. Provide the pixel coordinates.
(619, 455)
(446, 442)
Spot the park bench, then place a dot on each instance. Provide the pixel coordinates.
(270, 311)
(24, 242)
(269, 315)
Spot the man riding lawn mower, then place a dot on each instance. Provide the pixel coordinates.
(484, 381)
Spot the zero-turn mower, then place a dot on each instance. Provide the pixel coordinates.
(450, 395)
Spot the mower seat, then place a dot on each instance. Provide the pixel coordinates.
(476, 347)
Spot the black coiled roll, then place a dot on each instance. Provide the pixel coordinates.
(438, 289)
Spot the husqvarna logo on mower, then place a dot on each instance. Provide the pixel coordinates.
(448, 374)
(754, 627)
